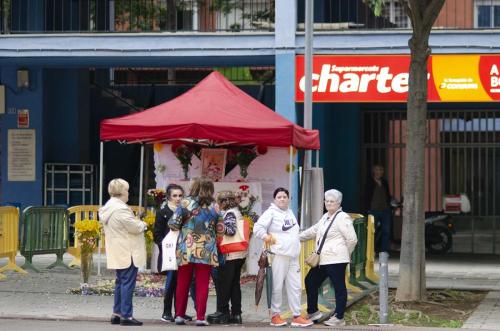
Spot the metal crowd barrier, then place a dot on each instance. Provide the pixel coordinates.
(44, 231)
(85, 212)
(9, 238)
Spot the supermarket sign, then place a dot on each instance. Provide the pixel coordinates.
(384, 78)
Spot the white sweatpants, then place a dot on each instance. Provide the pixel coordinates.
(286, 270)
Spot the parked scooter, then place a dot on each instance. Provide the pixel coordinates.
(439, 227)
(439, 230)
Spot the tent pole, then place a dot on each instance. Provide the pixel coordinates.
(101, 179)
(290, 172)
(141, 175)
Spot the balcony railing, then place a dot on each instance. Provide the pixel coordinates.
(355, 14)
(83, 16)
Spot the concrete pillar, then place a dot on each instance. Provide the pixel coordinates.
(285, 27)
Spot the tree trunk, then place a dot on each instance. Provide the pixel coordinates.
(412, 285)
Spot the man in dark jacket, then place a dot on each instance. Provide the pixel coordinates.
(377, 202)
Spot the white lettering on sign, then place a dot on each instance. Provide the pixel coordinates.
(494, 79)
(356, 79)
(463, 83)
(494, 70)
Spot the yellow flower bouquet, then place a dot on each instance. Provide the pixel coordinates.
(87, 233)
(149, 219)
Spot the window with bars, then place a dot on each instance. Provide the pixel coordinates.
(395, 13)
(487, 14)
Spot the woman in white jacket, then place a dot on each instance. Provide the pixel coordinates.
(125, 249)
(279, 227)
(334, 257)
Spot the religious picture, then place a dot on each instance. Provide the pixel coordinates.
(213, 163)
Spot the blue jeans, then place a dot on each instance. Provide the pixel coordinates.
(124, 290)
(383, 226)
(315, 278)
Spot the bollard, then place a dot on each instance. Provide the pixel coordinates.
(384, 287)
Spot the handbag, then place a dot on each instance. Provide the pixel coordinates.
(238, 242)
(313, 259)
(168, 250)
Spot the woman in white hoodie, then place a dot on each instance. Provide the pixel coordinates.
(334, 257)
(125, 249)
(279, 227)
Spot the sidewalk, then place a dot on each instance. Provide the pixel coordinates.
(44, 295)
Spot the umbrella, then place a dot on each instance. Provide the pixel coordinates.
(265, 273)
(269, 284)
(261, 275)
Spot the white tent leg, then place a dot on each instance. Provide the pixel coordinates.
(101, 179)
(141, 174)
(290, 173)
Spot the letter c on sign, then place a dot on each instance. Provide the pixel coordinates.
(302, 83)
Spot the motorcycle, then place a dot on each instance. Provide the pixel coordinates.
(439, 229)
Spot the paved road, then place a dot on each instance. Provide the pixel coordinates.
(44, 325)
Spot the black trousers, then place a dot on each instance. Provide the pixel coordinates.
(228, 286)
(316, 276)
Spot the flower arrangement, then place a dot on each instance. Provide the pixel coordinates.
(150, 222)
(87, 233)
(244, 156)
(246, 201)
(183, 153)
(155, 197)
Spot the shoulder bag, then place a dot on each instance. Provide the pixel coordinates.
(313, 259)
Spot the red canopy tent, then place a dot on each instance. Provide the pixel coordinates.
(213, 110)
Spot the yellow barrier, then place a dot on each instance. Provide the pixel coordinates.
(370, 251)
(306, 250)
(9, 242)
(86, 212)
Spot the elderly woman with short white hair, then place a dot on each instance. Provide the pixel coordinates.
(335, 240)
(125, 249)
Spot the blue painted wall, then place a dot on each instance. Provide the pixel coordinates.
(66, 96)
(339, 126)
(25, 193)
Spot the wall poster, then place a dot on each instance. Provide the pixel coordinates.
(213, 163)
(21, 158)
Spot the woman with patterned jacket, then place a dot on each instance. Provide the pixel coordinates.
(196, 220)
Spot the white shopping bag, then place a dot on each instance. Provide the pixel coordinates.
(168, 248)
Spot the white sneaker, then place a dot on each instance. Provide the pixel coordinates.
(334, 321)
(180, 321)
(315, 316)
(202, 323)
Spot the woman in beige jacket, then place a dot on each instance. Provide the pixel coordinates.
(335, 255)
(125, 249)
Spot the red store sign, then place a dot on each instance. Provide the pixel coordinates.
(384, 78)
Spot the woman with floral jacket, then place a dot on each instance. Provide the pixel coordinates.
(196, 220)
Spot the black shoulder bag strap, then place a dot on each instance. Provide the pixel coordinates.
(326, 233)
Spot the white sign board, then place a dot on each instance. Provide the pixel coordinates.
(21, 158)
